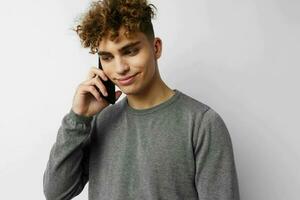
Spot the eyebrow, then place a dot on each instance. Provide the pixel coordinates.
(127, 46)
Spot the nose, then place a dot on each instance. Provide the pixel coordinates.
(122, 66)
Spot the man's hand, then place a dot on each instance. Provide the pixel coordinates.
(87, 100)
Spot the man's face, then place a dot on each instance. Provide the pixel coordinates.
(125, 57)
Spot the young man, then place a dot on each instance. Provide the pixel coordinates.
(156, 143)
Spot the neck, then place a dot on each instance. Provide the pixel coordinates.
(155, 94)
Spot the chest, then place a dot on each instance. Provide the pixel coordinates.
(165, 140)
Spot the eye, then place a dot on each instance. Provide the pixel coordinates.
(132, 52)
(106, 58)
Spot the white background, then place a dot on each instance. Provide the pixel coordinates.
(239, 57)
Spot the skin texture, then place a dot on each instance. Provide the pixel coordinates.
(148, 89)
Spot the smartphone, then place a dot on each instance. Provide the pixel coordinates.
(110, 87)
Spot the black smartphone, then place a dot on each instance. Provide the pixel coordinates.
(110, 87)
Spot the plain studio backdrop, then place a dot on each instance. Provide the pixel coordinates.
(239, 57)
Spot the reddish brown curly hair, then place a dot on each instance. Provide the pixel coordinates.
(106, 17)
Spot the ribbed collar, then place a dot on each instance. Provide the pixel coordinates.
(154, 108)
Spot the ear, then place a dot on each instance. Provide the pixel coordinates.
(157, 47)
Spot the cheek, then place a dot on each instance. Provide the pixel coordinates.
(143, 62)
(108, 72)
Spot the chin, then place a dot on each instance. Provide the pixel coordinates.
(128, 90)
(131, 89)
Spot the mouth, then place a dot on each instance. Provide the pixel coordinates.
(127, 80)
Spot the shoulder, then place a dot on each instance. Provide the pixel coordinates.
(201, 114)
(197, 107)
(191, 106)
(206, 120)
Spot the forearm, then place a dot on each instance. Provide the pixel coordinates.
(66, 173)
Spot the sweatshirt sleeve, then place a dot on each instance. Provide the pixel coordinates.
(67, 169)
(216, 177)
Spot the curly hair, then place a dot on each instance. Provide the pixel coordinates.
(105, 18)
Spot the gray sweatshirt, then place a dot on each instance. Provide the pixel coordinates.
(177, 150)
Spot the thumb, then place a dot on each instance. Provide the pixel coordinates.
(118, 94)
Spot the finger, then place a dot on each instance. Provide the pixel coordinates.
(118, 94)
(93, 91)
(96, 71)
(98, 83)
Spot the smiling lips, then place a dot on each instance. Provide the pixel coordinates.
(127, 81)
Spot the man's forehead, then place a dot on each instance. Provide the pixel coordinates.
(106, 44)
